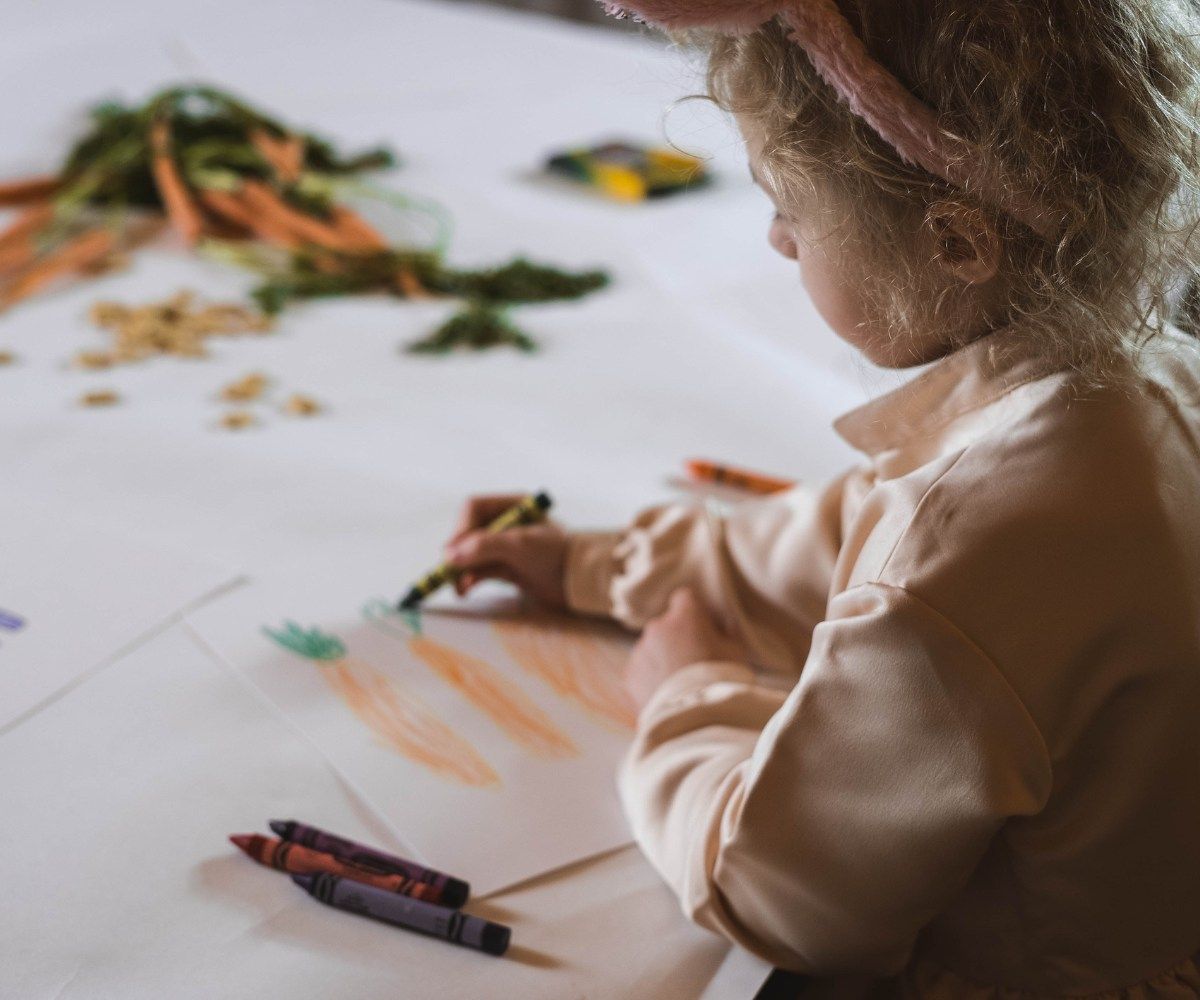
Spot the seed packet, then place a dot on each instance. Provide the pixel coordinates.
(628, 171)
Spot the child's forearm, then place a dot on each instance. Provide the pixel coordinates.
(822, 828)
(764, 569)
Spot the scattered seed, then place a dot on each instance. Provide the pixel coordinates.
(175, 326)
(236, 420)
(7, 358)
(245, 389)
(100, 397)
(299, 405)
(94, 360)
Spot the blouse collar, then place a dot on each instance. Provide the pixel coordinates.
(962, 382)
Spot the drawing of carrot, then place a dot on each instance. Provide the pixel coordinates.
(397, 718)
(485, 687)
(574, 660)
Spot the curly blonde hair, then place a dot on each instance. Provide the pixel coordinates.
(1092, 104)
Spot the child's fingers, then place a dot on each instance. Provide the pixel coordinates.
(495, 571)
(481, 548)
(482, 510)
(682, 602)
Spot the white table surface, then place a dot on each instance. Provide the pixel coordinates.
(117, 881)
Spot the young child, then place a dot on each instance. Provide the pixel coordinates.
(980, 775)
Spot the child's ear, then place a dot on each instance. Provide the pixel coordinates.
(965, 243)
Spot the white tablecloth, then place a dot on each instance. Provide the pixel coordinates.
(116, 879)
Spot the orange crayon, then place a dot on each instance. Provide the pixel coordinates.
(742, 479)
(297, 859)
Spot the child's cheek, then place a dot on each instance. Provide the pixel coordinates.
(832, 291)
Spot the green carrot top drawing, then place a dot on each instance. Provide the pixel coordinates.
(403, 624)
(312, 644)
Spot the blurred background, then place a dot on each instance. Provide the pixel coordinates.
(319, 448)
(591, 11)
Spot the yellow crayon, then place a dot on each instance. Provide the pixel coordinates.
(529, 511)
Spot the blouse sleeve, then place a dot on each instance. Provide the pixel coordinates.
(764, 569)
(823, 828)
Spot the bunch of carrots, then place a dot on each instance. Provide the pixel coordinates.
(231, 180)
(30, 259)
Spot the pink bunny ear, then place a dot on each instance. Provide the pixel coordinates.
(899, 117)
(868, 88)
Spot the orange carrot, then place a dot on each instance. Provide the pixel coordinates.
(285, 155)
(266, 203)
(410, 285)
(138, 231)
(28, 189)
(223, 229)
(181, 209)
(234, 209)
(18, 244)
(354, 227)
(83, 251)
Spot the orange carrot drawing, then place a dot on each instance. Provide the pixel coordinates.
(577, 662)
(396, 717)
(483, 686)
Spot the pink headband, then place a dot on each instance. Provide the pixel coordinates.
(870, 90)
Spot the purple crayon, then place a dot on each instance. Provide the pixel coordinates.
(451, 891)
(404, 911)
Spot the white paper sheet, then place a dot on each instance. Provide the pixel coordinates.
(74, 594)
(119, 881)
(489, 742)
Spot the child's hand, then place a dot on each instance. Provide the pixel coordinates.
(686, 633)
(533, 557)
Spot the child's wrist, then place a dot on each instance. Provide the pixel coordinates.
(588, 571)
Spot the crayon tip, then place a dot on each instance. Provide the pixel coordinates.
(411, 600)
(279, 826)
(304, 881)
(495, 939)
(455, 893)
(242, 840)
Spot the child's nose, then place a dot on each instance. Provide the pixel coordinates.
(781, 239)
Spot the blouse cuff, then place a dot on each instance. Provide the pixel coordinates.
(589, 571)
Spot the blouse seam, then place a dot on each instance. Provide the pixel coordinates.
(917, 509)
(1045, 750)
(925, 498)
(1032, 723)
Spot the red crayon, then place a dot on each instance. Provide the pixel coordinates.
(299, 860)
(743, 479)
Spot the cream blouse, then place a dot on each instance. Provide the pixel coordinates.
(971, 757)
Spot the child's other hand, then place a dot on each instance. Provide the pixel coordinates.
(533, 557)
(684, 634)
